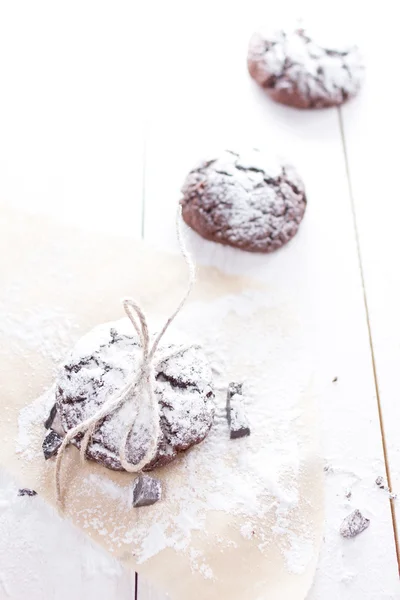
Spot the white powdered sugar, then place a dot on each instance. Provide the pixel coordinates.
(99, 367)
(299, 553)
(30, 426)
(109, 488)
(253, 481)
(48, 331)
(312, 70)
(245, 199)
(43, 556)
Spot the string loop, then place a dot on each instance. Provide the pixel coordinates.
(139, 389)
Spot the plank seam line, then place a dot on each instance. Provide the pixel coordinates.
(370, 337)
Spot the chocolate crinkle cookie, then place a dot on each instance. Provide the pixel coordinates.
(298, 70)
(245, 200)
(102, 363)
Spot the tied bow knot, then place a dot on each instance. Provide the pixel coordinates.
(139, 389)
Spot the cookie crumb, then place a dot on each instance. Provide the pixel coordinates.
(381, 483)
(26, 492)
(354, 524)
(146, 491)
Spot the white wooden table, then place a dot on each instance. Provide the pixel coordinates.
(106, 105)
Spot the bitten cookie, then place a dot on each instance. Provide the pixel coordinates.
(244, 200)
(102, 363)
(300, 72)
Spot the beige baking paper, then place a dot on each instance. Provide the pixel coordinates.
(52, 275)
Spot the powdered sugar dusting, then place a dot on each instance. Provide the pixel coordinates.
(32, 534)
(247, 200)
(299, 553)
(252, 482)
(30, 426)
(100, 366)
(301, 71)
(109, 488)
(48, 331)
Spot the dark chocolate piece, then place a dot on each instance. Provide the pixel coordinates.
(235, 412)
(26, 492)
(51, 444)
(146, 491)
(53, 421)
(354, 524)
(49, 421)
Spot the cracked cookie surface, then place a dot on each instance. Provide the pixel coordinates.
(247, 200)
(297, 71)
(102, 363)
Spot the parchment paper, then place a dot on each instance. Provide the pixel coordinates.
(61, 282)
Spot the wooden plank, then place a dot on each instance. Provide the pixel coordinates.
(371, 127)
(70, 114)
(146, 591)
(203, 100)
(71, 136)
(32, 535)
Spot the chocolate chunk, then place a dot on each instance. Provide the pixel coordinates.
(354, 524)
(53, 421)
(51, 444)
(146, 491)
(235, 412)
(49, 421)
(26, 492)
